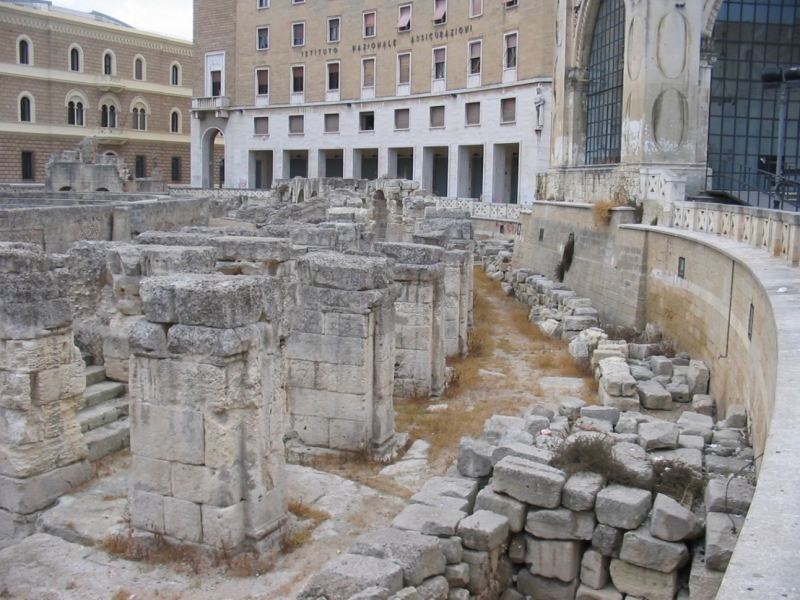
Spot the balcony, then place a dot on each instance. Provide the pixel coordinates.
(113, 136)
(217, 104)
(111, 83)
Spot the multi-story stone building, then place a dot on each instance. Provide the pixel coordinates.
(66, 75)
(454, 93)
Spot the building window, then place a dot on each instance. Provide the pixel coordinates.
(298, 1)
(141, 163)
(604, 95)
(262, 35)
(261, 125)
(298, 79)
(402, 118)
(262, 82)
(262, 4)
(108, 115)
(475, 8)
(108, 64)
(138, 68)
(24, 52)
(508, 110)
(334, 29)
(26, 109)
(366, 121)
(510, 52)
(511, 3)
(75, 113)
(437, 116)
(333, 77)
(139, 119)
(176, 168)
(404, 68)
(439, 12)
(27, 165)
(404, 18)
(175, 74)
(370, 25)
(332, 123)
(298, 34)
(368, 70)
(175, 122)
(216, 83)
(439, 63)
(296, 124)
(472, 113)
(75, 59)
(475, 58)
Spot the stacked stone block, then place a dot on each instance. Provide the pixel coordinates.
(206, 411)
(42, 451)
(419, 319)
(340, 352)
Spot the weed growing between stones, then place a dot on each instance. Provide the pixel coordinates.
(678, 481)
(306, 512)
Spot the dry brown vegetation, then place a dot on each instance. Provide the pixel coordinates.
(601, 211)
(306, 512)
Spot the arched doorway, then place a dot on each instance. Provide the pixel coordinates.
(213, 157)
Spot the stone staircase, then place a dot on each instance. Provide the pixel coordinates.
(104, 416)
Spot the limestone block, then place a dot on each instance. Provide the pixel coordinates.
(694, 442)
(15, 390)
(704, 583)
(147, 511)
(570, 407)
(457, 575)
(147, 338)
(560, 524)
(52, 385)
(374, 593)
(632, 458)
(223, 527)
(496, 426)
(646, 583)
(553, 558)
(722, 531)
(580, 491)
(458, 594)
(182, 520)
(434, 588)
(457, 487)
(640, 373)
(429, 498)
(618, 383)
(483, 530)
(661, 365)
(672, 522)
(534, 586)
(696, 424)
(623, 403)
(603, 413)
(679, 392)
(607, 540)
(509, 594)
(167, 433)
(622, 507)
(349, 574)
(653, 395)
(704, 404)
(688, 456)
(697, 377)
(428, 520)
(203, 485)
(501, 504)
(607, 593)
(452, 549)
(578, 322)
(38, 354)
(642, 549)
(594, 569)
(530, 482)
(215, 341)
(21, 320)
(151, 475)
(25, 496)
(524, 451)
(658, 434)
(418, 555)
(516, 436)
(729, 496)
(337, 271)
(517, 548)
(535, 423)
(474, 457)
(736, 417)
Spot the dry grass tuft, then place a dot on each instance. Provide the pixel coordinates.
(601, 211)
(156, 551)
(295, 539)
(678, 481)
(304, 511)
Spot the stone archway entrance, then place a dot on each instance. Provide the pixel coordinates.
(213, 158)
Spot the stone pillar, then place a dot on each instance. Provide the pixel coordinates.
(207, 411)
(340, 352)
(42, 451)
(419, 321)
(457, 293)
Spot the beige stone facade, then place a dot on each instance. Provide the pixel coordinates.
(58, 68)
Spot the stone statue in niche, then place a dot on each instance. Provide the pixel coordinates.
(538, 102)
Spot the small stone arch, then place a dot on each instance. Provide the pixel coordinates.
(66, 188)
(710, 16)
(584, 31)
(207, 143)
(31, 108)
(139, 72)
(102, 189)
(75, 55)
(20, 39)
(301, 197)
(109, 64)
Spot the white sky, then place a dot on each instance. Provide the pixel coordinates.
(168, 17)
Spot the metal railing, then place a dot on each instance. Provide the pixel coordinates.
(754, 187)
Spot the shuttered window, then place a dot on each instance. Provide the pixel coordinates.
(473, 113)
(262, 76)
(440, 12)
(333, 76)
(437, 116)
(475, 8)
(332, 123)
(511, 51)
(298, 79)
(261, 125)
(475, 58)
(401, 118)
(403, 68)
(296, 124)
(404, 18)
(508, 110)
(439, 56)
(369, 24)
(369, 72)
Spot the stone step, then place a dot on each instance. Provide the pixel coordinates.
(101, 392)
(108, 439)
(95, 374)
(100, 414)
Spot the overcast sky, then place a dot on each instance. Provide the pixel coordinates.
(169, 17)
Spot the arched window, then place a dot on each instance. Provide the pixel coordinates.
(24, 52)
(108, 63)
(139, 120)
(138, 68)
(25, 109)
(175, 122)
(108, 115)
(604, 96)
(175, 74)
(75, 59)
(75, 113)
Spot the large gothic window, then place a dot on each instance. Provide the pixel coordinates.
(604, 97)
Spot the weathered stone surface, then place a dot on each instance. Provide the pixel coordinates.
(530, 482)
(694, 442)
(726, 466)
(607, 540)
(444, 502)
(697, 377)
(570, 407)
(343, 577)
(590, 424)
(418, 555)
(525, 451)
(661, 365)
(736, 417)
(501, 504)
(623, 403)
(641, 373)
(603, 413)
(729, 496)
(452, 549)
(607, 593)
(27, 495)
(632, 458)
(553, 558)
(704, 404)
(428, 520)
(535, 423)
(642, 549)
(372, 593)
(535, 586)
(580, 491)
(475, 457)
(560, 524)
(672, 522)
(223, 527)
(691, 457)
(456, 487)
(653, 395)
(457, 575)
(434, 588)
(646, 583)
(703, 582)
(594, 569)
(483, 530)
(622, 507)
(696, 424)
(679, 392)
(516, 548)
(722, 531)
(658, 434)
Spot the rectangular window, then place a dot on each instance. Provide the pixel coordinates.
(141, 163)
(263, 38)
(334, 29)
(261, 125)
(370, 24)
(27, 165)
(333, 76)
(366, 121)
(401, 118)
(439, 58)
(508, 110)
(176, 167)
(472, 113)
(475, 58)
(298, 34)
(296, 124)
(511, 3)
(216, 83)
(403, 68)
(262, 82)
(298, 79)
(404, 18)
(510, 54)
(439, 12)
(437, 116)
(298, 1)
(368, 80)
(332, 123)
(475, 8)
(263, 4)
